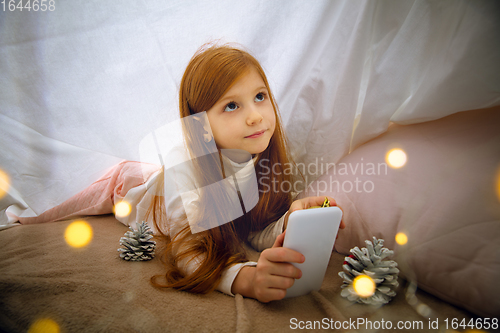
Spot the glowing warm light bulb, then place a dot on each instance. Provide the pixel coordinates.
(497, 184)
(122, 209)
(424, 310)
(4, 184)
(364, 285)
(401, 238)
(396, 158)
(78, 234)
(44, 325)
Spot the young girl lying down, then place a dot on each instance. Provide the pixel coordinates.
(228, 190)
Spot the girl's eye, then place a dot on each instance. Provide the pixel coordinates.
(230, 107)
(260, 97)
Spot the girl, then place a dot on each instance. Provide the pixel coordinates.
(226, 103)
(230, 85)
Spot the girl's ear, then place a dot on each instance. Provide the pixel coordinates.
(207, 134)
(207, 137)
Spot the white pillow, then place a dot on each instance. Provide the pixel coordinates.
(446, 199)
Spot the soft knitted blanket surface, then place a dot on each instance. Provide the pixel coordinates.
(90, 289)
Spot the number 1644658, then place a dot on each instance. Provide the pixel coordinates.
(28, 5)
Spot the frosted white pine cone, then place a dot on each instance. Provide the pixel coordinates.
(370, 261)
(137, 244)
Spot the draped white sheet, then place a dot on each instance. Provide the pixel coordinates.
(82, 85)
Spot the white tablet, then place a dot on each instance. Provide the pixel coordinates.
(312, 232)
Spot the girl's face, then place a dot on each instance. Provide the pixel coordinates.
(244, 117)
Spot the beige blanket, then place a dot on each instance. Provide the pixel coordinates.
(92, 290)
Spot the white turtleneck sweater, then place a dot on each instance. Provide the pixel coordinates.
(181, 197)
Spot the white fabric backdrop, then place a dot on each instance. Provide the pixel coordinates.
(80, 86)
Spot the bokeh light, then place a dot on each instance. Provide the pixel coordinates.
(497, 184)
(78, 234)
(128, 296)
(44, 325)
(122, 209)
(424, 310)
(401, 238)
(396, 158)
(4, 183)
(364, 285)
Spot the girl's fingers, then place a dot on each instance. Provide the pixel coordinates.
(332, 201)
(274, 277)
(279, 240)
(285, 270)
(278, 282)
(318, 201)
(270, 294)
(282, 254)
(342, 224)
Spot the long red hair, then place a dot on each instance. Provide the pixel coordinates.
(209, 75)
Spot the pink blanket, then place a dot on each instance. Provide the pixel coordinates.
(100, 197)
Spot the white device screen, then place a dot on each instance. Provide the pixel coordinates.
(312, 232)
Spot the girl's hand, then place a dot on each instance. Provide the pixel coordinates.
(308, 202)
(272, 276)
(274, 273)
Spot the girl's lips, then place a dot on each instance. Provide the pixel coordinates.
(255, 135)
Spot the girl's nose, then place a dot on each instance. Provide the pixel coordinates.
(254, 117)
